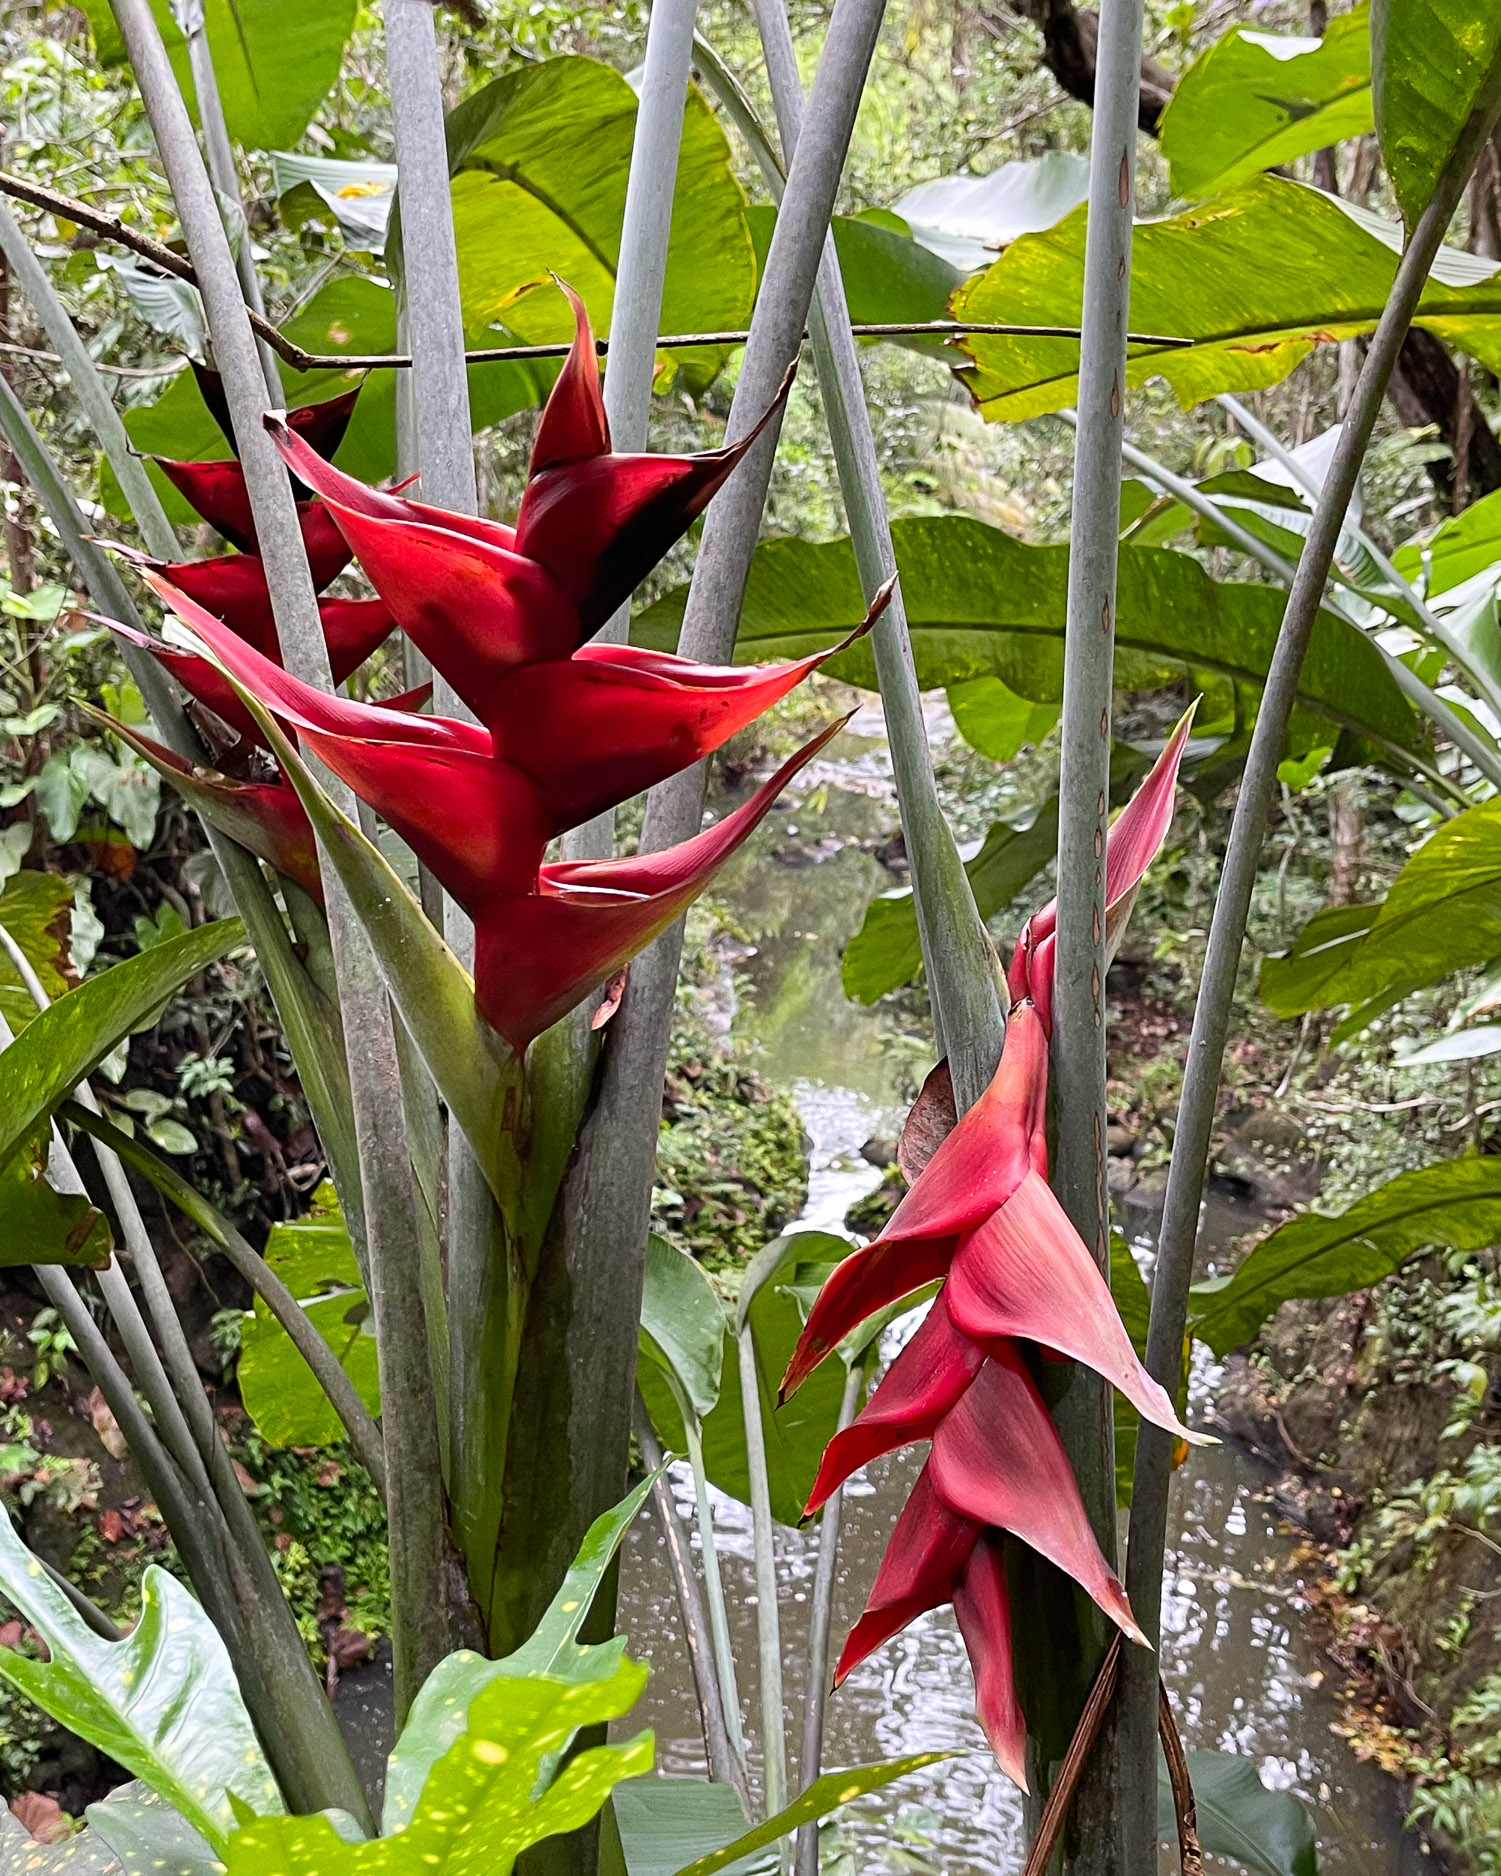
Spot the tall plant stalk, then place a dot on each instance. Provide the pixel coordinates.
(963, 976)
(1212, 1011)
(423, 1616)
(579, 1368)
(1084, 1414)
(768, 1614)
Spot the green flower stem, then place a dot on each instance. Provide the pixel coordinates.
(724, 1762)
(1212, 1011)
(768, 1616)
(964, 976)
(719, 1622)
(364, 1434)
(424, 1601)
(820, 1614)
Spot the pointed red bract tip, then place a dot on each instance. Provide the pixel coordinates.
(998, 1460)
(914, 1394)
(982, 1608)
(1138, 831)
(574, 426)
(1027, 1273)
(974, 1171)
(926, 1553)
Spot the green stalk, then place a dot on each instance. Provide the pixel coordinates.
(343, 1396)
(724, 1763)
(309, 1019)
(425, 1609)
(719, 1621)
(820, 1614)
(1084, 1413)
(964, 976)
(768, 1616)
(607, 1198)
(1212, 1011)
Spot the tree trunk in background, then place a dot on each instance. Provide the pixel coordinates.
(1425, 387)
(1346, 842)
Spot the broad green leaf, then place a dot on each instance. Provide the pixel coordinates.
(1464, 1045)
(481, 1806)
(1461, 547)
(993, 719)
(824, 1795)
(540, 157)
(40, 1225)
(1455, 1205)
(983, 604)
(316, 1261)
(441, 1710)
(887, 952)
(359, 196)
(1256, 278)
(468, 1062)
(275, 60)
(1442, 914)
(667, 1822)
(163, 1702)
(796, 1434)
(682, 1324)
(1266, 1831)
(967, 220)
(36, 909)
(83, 1855)
(1430, 60)
(148, 1836)
(1254, 100)
(67, 1042)
(889, 278)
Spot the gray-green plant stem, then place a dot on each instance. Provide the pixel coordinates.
(768, 1616)
(306, 1731)
(964, 976)
(304, 1015)
(1084, 1414)
(422, 1610)
(89, 388)
(343, 1396)
(1436, 628)
(220, 158)
(820, 1621)
(719, 1622)
(1440, 713)
(724, 1762)
(606, 1201)
(1212, 1012)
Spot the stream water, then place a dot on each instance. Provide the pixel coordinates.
(1243, 1672)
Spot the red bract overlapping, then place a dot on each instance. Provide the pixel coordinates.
(566, 729)
(1017, 1281)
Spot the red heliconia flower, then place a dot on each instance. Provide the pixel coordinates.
(480, 598)
(1015, 1275)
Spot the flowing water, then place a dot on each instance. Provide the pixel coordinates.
(1243, 1672)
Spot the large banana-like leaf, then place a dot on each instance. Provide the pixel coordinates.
(1256, 278)
(83, 1855)
(1252, 101)
(982, 604)
(39, 1224)
(275, 60)
(1455, 1205)
(1430, 59)
(163, 1702)
(68, 1041)
(1269, 1832)
(36, 909)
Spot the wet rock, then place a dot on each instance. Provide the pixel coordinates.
(892, 854)
(1119, 1139)
(869, 1214)
(878, 1151)
(1120, 1175)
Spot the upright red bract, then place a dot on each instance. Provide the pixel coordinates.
(1018, 1284)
